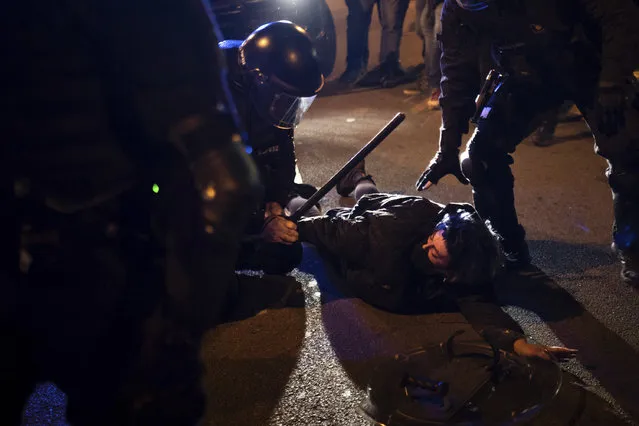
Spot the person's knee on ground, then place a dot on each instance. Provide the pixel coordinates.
(297, 202)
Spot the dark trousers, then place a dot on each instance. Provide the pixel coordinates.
(391, 14)
(515, 111)
(428, 23)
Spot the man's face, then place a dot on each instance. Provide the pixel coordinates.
(436, 249)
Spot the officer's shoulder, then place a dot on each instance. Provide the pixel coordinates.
(230, 49)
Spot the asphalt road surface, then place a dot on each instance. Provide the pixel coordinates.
(307, 361)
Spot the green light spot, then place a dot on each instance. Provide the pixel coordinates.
(155, 188)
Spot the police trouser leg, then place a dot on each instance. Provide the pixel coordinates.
(622, 154)
(488, 169)
(510, 115)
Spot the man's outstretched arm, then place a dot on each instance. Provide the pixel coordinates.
(500, 330)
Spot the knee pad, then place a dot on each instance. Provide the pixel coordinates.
(467, 167)
(473, 169)
(296, 203)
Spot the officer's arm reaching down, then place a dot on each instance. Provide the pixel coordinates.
(460, 62)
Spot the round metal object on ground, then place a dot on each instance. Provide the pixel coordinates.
(460, 383)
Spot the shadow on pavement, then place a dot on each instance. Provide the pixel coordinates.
(362, 336)
(259, 292)
(608, 357)
(249, 359)
(581, 256)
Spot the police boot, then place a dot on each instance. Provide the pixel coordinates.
(629, 266)
(517, 257)
(348, 183)
(544, 135)
(352, 75)
(630, 269)
(516, 252)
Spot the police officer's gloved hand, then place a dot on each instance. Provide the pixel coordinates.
(445, 162)
(227, 181)
(610, 109)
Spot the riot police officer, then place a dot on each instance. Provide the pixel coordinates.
(547, 52)
(274, 78)
(122, 154)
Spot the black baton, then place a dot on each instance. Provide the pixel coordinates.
(359, 156)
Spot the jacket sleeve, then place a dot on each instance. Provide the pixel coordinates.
(283, 177)
(617, 20)
(487, 318)
(363, 283)
(460, 71)
(341, 237)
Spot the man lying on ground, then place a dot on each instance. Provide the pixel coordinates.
(400, 252)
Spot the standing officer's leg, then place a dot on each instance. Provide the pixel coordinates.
(621, 150)
(509, 116)
(392, 14)
(358, 23)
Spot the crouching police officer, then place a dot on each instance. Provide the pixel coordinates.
(274, 78)
(122, 155)
(547, 52)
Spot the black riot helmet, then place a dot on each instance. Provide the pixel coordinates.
(283, 71)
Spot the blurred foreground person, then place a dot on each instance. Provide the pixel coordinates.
(122, 155)
(547, 52)
(405, 253)
(274, 78)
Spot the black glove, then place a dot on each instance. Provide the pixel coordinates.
(610, 109)
(228, 183)
(444, 163)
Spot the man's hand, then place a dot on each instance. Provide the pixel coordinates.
(273, 208)
(524, 348)
(610, 109)
(278, 229)
(444, 163)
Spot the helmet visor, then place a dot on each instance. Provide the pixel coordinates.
(283, 110)
(287, 111)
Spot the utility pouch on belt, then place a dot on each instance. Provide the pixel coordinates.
(493, 80)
